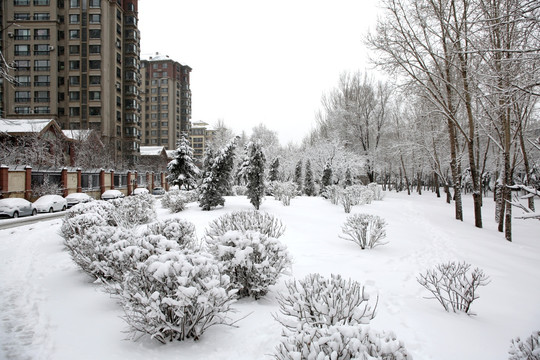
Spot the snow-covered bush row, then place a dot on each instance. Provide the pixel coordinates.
(190, 195)
(321, 302)
(243, 221)
(239, 190)
(251, 259)
(178, 230)
(342, 342)
(284, 191)
(453, 285)
(174, 200)
(176, 295)
(83, 216)
(368, 231)
(527, 349)
(135, 210)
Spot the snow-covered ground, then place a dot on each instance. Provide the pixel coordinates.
(51, 310)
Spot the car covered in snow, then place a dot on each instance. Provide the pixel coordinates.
(15, 207)
(140, 190)
(158, 191)
(112, 194)
(78, 198)
(50, 203)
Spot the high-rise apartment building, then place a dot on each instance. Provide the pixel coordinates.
(77, 61)
(167, 101)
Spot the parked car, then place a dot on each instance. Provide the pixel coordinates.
(112, 194)
(15, 207)
(77, 198)
(50, 203)
(140, 190)
(158, 191)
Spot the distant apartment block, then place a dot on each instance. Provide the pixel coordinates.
(167, 101)
(78, 62)
(201, 135)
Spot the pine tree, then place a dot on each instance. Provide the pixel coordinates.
(255, 174)
(217, 181)
(309, 185)
(348, 177)
(298, 175)
(182, 169)
(273, 174)
(326, 177)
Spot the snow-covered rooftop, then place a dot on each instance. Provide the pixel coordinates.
(77, 134)
(17, 126)
(202, 125)
(151, 150)
(170, 153)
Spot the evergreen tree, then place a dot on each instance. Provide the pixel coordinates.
(217, 181)
(273, 174)
(298, 175)
(241, 173)
(182, 169)
(255, 174)
(348, 177)
(309, 184)
(327, 176)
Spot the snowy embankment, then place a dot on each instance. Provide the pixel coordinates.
(51, 310)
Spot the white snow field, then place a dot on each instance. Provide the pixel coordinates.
(49, 309)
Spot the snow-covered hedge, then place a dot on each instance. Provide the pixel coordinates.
(176, 295)
(526, 349)
(178, 230)
(453, 286)
(174, 200)
(368, 231)
(135, 210)
(342, 342)
(243, 221)
(322, 302)
(83, 216)
(253, 260)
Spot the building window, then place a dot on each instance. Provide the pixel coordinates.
(74, 80)
(94, 4)
(74, 4)
(22, 65)
(94, 49)
(164, 81)
(22, 96)
(42, 80)
(154, 98)
(153, 132)
(22, 50)
(164, 132)
(42, 110)
(41, 49)
(154, 116)
(42, 65)
(164, 107)
(74, 111)
(94, 18)
(74, 65)
(21, 2)
(41, 96)
(22, 34)
(94, 79)
(22, 80)
(74, 34)
(41, 2)
(42, 16)
(94, 64)
(164, 98)
(94, 111)
(74, 49)
(94, 33)
(42, 34)
(94, 95)
(21, 16)
(22, 109)
(164, 115)
(74, 18)
(74, 95)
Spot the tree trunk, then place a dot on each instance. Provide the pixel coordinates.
(436, 185)
(454, 168)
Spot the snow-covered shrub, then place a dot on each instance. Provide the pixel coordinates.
(284, 191)
(246, 220)
(135, 210)
(239, 190)
(178, 230)
(174, 200)
(176, 295)
(83, 216)
(366, 197)
(528, 349)
(322, 302)
(348, 199)
(253, 260)
(190, 195)
(332, 193)
(366, 230)
(341, 342)
(378, 194)
(453, 286)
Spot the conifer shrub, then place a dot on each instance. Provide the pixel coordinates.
(175, 296)
(245, 220)
(174, 200)
(178, 230)
(368, 231)
(322, 302)
(251, 259)
(340, 342)
(526, 349)
(454, 285)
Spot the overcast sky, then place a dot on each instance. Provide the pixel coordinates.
(259, 62)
